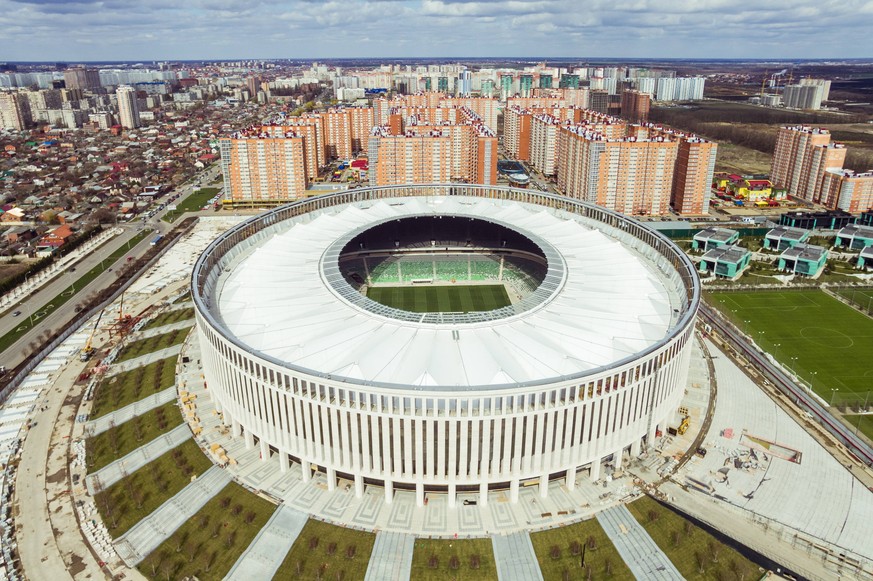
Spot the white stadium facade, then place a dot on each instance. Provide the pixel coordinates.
(588, 361)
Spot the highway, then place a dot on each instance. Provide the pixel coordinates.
(30, 307)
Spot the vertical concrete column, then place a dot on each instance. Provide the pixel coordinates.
(226, 419)
(513, 491)
(650, 437)
(453, 496)
(265, 450)
(359, 486)
(307, 471)
(595, 468)
(217, 405)
(249, 439)
(617, 459)
(483, 494)
(570, 481)
(331, 479)
(419, 494)
(389, 492)
(636, 447)
(544, 485)
(236, 428)
(283, 461)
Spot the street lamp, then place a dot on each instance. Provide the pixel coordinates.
(834, 391)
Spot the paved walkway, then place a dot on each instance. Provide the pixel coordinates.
(149, 533)
(123, 366)
(267, 551)
(391, 558)
(645, 559)
(112, 473)
(515, 558)
(128, 412)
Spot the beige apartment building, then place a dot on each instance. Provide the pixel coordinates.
(262, 169)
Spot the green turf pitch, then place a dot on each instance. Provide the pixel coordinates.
(441, 299)
(826, 342)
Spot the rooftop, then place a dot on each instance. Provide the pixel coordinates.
(807, 252)
(731, 254)
(856, 230)
(611, 303)
(787, 233)
(716, 233)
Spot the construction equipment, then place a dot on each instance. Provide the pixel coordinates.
(683, 427)
(88, 350)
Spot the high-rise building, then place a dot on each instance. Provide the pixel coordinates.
(410, 158)
(128, 110)
(598, 100)
(525, 85)
(635, 106)
(260, 169)
(80, 78)
(506, 87)
(14, 111)
(545, 81)
(516, 132)
(802, 156)
(846, 190)
(465, 83)
(631, 175)
(802, 96)
(692, 178)
(544, 143)
(823, 85)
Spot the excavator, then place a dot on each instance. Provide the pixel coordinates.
(88, 350)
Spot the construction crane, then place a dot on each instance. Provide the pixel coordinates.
(88, 350)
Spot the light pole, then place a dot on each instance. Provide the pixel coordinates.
(833, 393)
(812, 379)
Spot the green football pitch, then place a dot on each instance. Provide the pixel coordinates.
(441, 299)
(825, 342)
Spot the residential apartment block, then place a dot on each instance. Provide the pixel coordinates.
(802, 156)
(260, 168)
(847, 190)
(465, 151)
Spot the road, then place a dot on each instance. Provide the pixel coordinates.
(30, 306)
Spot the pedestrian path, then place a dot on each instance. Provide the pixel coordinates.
(112, 473)
(391, 558)
(269, 548)
(645, 559)
(128, 412)
(148, 534)
(143, 360)
(515, 558)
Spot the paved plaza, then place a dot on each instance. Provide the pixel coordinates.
(128, 412)
(515, 557)
(391, 557)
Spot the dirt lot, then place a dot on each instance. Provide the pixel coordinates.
(743, 160)
(10, 270)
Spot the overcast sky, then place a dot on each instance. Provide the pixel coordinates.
(79, 30)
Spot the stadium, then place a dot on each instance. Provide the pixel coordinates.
(445, 338)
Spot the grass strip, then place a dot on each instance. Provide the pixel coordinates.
(327, 551)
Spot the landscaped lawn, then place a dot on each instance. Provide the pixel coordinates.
(825, 342)
(560, 549)
(152, 344)
(171, 317)
(123, 389)
(192, 203)
(122, 439)
(137, 495)
(332, 551)
(861, 297)
(212, 540)
(447, 559)
(695, 552)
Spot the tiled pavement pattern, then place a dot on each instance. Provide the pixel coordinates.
(515, 558)
(645, 559)
(268, 549)
(391, 558)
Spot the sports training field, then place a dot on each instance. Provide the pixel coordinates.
(862, 297)
(826, 342)
(441, 299)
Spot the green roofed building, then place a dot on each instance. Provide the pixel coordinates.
(784, 237)
(714, 237)
(855, 237)
(804, 259)
(726, 261)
